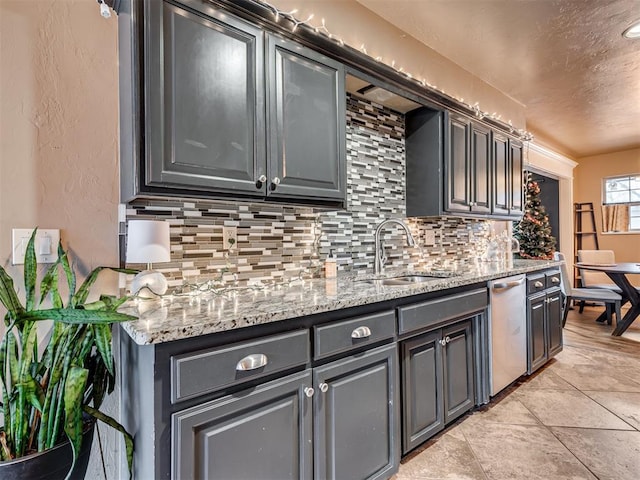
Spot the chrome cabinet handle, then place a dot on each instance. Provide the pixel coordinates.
(555, 280)
(252, 362)
(309, 391)
(261, 180)
(538, 284)
(442, 342)
(509, 284)
(447, 340)
(275, 181)
(361, 332)
(323, 387)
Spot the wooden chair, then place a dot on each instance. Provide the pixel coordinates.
(611, 299)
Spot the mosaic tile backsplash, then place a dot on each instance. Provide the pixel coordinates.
(281, 241)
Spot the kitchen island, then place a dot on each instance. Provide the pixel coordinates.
(334, 378)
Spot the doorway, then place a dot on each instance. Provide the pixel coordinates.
(550, 198)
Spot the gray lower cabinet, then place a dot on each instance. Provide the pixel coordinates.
(438, 381)
(219, 107)
(263, 433)
(356, 416)
(544, 319)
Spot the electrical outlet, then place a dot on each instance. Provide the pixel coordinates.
(229, 238)
(46, 244)
(429, 238)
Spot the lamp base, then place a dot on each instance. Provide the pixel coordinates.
(149, 284)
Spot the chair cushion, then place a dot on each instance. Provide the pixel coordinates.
(601, 294)
(611, 286)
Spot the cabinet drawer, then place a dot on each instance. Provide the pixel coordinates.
(206, 371)
(344, 335)
(552, 279)
(536, 283)
(433, 312)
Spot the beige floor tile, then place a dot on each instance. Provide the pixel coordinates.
(575, 356)
(567, 408)
(625, 405)
(609, 454)
(546, 380)
(522, 452)
(450, 458)
(604, 377)
(508, 410)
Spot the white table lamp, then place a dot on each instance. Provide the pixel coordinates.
(148, 242)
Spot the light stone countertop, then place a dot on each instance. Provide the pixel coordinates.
(176, 317)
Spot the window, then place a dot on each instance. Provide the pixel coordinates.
(624, 190)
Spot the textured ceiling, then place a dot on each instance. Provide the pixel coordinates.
(565, 60)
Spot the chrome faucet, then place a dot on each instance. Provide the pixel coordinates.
(380, 257)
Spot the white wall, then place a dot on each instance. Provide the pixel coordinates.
(548, 162)
(59, 135)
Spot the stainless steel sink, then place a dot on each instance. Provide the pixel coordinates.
(403, 281)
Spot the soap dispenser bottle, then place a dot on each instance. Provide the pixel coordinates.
(331, 266)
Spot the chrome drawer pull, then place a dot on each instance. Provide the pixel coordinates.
(555, 280)
(361, 332)
(252, 362)
(538, 285)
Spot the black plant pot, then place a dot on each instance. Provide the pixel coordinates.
(52, 464)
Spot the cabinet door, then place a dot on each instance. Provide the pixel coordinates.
(536, 330)
(306, 123)
(554, 322)
(459, 392)
(423, 387)
(501, 174)
(261, 433)
(456, 173)
(481, 169)
(516, 209)
(204, 109)
(356, 430)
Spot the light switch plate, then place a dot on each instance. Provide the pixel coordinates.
(46, 244)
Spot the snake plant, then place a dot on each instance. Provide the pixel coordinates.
(45, 394)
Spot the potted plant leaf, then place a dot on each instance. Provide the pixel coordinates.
(52, 398)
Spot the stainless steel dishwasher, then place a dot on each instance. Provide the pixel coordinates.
(508, 330)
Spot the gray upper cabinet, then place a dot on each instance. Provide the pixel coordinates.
(204, 107)
(225, 109)
(481, 168)
(459, 166)
(508, 190)
(306, 122)
(516, 187)
(468, 171)
(356, 414)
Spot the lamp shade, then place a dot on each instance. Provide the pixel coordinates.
(148, 241)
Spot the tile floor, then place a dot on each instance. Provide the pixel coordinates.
(576, 418)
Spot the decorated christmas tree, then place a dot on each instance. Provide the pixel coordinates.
(534, 231)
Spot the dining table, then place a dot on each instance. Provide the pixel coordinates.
(618, 273)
